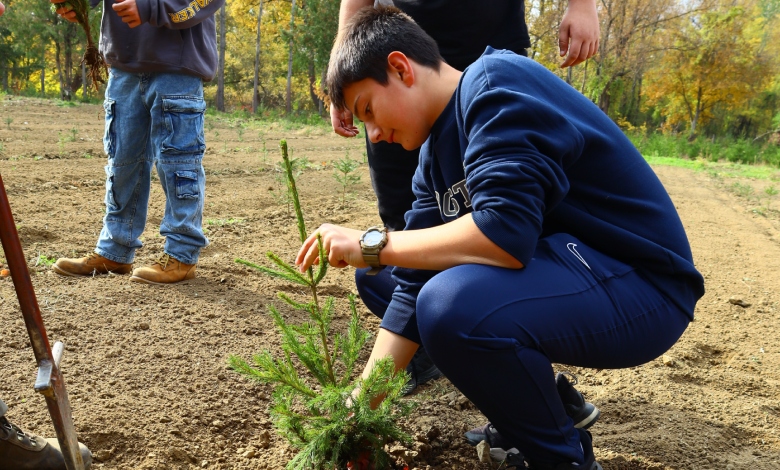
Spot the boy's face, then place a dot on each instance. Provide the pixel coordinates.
(392, 112)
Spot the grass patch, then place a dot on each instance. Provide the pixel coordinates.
(224, 222)
(722, 149)
(720, 169)
(44, 260)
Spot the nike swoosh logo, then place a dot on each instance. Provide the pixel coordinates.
(573, 248)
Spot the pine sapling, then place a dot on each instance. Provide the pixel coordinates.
(317, 404)
(93, 59)
(344, 173)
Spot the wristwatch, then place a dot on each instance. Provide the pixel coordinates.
(371, 243)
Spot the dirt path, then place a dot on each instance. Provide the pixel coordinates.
(146, 366)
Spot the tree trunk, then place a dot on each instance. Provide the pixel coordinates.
(288, 97)
(84, 81)
(584, 76)
(256, 85)
(43, 73)
(325, 101)
(604, 99)
(696, 114)
(58, 63)
(313, 86)
(221, 66)
(67, 68)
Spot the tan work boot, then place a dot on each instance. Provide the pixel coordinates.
(165, 270)
(89, 266)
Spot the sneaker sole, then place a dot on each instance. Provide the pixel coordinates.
(499, 455)
(589, 420)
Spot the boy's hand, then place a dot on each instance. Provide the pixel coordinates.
(65, 11)
(578, 37)
(341, 120)
(341, 244)
(128, 11)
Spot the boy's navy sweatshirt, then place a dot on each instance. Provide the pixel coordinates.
(528, 156)
(175, 36)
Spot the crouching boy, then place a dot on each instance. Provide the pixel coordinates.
(539, 234)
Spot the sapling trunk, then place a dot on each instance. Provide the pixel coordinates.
(333, 421)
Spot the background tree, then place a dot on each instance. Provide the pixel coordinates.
(716, 59)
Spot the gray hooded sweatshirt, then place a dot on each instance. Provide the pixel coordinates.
(177, 36)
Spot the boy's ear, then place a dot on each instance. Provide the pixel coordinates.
(400, 65)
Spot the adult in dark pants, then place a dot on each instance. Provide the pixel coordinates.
(462, 29)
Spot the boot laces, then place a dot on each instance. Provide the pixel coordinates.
(163, 260)
(20, 435)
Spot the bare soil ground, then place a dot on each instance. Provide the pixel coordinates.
(146, 366)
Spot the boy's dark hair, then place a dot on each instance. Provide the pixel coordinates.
(369, 37)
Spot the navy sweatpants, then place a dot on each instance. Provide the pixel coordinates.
(495, 333)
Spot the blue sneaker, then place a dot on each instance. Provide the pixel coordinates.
(583, 413)
(421, 369)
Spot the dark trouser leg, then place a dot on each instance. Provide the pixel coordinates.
(495, 332)
(392, 168)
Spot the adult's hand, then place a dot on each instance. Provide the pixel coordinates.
(578, 37)
(341, 244)
(128, 11)
(341, 120)
(65, 11)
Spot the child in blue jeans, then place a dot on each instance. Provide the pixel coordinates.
(539, 234)
(159, 53)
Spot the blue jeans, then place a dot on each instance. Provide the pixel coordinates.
(153, 118)
(495, 334)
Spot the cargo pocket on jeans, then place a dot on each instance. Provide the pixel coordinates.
(109, 136)
(187, 186)
(184, 117)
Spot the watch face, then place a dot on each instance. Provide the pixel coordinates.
(373, 238)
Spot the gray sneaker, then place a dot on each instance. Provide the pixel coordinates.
(583, 413)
